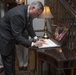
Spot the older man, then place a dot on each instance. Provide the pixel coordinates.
(12, 25)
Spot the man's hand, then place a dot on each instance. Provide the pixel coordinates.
(39, 42)
(40, 39)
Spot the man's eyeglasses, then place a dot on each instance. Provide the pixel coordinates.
(38, 13)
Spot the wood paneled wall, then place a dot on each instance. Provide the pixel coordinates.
(65, 17)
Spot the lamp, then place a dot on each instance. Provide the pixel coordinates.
(46, 14)
(25, 1)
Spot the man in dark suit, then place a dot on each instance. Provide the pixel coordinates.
(12, 25)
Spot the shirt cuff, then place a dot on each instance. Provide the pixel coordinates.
(35, 37)
(32, 44)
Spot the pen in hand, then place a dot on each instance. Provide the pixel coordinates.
(39, 42)
(43, 40)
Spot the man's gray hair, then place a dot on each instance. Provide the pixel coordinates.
(38, 5)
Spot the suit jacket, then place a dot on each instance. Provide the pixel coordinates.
(12, 25)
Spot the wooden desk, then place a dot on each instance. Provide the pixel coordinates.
(60, 59)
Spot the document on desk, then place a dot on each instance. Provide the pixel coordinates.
(49, 44)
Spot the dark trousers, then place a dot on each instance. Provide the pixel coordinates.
(9, 63)
(7, 50)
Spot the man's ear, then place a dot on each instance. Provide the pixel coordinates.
(33, 7)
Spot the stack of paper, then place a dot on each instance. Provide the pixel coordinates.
(49, 43)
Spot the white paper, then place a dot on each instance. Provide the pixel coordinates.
(49, 43)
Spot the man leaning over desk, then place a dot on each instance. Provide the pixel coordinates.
(12, 26)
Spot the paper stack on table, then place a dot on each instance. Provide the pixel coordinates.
(49, 43)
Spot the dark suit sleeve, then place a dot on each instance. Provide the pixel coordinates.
(30, 30)
(17, 24)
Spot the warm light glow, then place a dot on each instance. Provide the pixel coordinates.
(46, 13)
(25, 1)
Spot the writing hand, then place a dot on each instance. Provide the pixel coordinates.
(39, 43)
